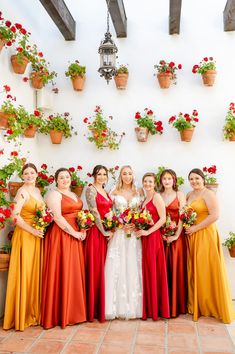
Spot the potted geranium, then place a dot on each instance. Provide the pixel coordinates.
(160, 169)
(41, 75)
(7, 109)
(166, 73)
(207, 68)
(24, 53)
(8, 32)
(230, 243)
(121, 77)
(185, 124)
(210, 177)
(5, 252)
(57, 125)
(76, 72)
(101, 134)
(31, 123)
(229, 127)
(147, 124)
(77, 184)
(44, 179)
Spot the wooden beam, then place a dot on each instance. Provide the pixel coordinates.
(118, 15)
(174, 18)
(63, 19)
(229, 16)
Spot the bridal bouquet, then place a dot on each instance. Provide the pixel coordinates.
(85, 220)
(169, 228)
(188, 216)
(43, 218)
(110, 221)
(142, 219)
(125, 217)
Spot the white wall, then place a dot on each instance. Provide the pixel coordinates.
(147, 42)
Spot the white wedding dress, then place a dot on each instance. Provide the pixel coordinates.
(123, 271)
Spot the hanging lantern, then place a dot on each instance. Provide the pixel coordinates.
(107, 51)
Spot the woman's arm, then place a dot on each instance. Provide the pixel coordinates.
(161, 209)
(91, 202)
(213, 213)
(54, 203)
(21, 198)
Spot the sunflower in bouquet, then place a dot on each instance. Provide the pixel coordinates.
(169, 228)
(188, 216)
(43, 217)
(85, 220)
(110, 221)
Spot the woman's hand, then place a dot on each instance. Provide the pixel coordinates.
(128, 228)
(141, 233)
(190, 230)
(109, 235)
(170, 239)
(80, 235)
(37, 233)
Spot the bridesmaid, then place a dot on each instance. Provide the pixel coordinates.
(63, 290)
(175, 249)
(155, 287)
(208, 287)
(22, 308)
(95, 245)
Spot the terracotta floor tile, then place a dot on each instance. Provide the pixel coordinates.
(210, 320)
(231, 331)
(158, 327)
(114, 349)
(148, 349)
(85, 335)
(211, 330)
(216, 343)
(58, 333)
(95, 324)
(182, 351)
(14, 344)
(30, 332)
(121, 325)
(144, 338)
(80, 348)
(181, 328)
(181, 318)
(188, 341)
(4, 333)
(117, 337)
(47, 347)
(210, 352)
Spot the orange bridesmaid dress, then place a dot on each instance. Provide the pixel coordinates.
(208, 287)
(63, 289)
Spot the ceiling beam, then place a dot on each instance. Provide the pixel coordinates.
(174, 18)
(118, 15)
(229, 16)
(62, 17)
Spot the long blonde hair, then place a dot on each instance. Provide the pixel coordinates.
(120, 182)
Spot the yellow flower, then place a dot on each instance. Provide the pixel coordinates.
(109, 223)
(136, 216)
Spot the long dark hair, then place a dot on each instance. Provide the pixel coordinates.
(97, 169)
(173, 175)
(29, 165)
(199, 172)
(62, 169)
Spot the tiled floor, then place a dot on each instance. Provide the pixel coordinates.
(176, 336)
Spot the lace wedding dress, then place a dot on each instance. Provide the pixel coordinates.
(123, 270)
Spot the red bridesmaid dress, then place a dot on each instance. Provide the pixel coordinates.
(63, 283)
(176, 261)
(95, 249)
(155, 287)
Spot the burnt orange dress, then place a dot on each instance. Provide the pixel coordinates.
(63, 281)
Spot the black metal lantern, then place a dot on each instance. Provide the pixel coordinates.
(107, 51)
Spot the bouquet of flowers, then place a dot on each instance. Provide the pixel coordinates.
(169, 228)
(110, 221)
(85, 220)
(125, 217)
(188, 216)
(142, 219)
(43, 217)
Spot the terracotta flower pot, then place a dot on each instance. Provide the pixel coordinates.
(232, 138)
(4, 120)
(56, 137)
(212, 186)
(4, 261)
(37, 80)
(13, 187)
(209, 78)
(142, 134)
(164, 80)
(121, 81)
(232, 251)
(30, 132)
(2, 43)
(78, 83)
(77, 190)
(186, 134)
(19, 67)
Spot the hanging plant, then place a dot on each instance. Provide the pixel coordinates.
(76, 72)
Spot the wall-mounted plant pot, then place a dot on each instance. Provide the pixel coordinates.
(56, 137)
(30, 132)
(78, 83)
(232, 251)
(212, 186)
(13, 187)
(2, 43)
(164, 80)
(121, 81)
(77, 190)
(4, 261)
(186, 134)
(37, 80)
(142, 134)
(209, 78)
(19, 66)
(4, 120)
(232, 138)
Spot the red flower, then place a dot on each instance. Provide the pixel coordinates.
(1, 151)
(36, 113)
(137, 115)
(44, 166)
(150, 112)
(180, 66)
(196, 119)
(7, 88)
(9, 96)
(19, 49)
(205, 59)
(79, 167)
(9, 43)
(73, 183)
(71, 169)
(8, 23)
(13, 29)
(7, 213)
(18, 26)
(162, 62)
(116, 168)
(85, 120)
(171, 119)
(188, 119)
(23, 31)
(40, 54)
(171, 64)
(9, 131)
(4, 190)
(89, 174)
(25, 79)
(103, 134)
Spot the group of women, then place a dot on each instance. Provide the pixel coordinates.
(66, 276)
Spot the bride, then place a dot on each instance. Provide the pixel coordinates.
(123, 267)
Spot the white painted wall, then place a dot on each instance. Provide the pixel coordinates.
(147, 42)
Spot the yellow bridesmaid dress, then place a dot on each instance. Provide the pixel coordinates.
(22, 308)
(208, 287)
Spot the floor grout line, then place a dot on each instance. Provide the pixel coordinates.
(134, 338)
(102, 338)
(198, 338)
(166, 337)
(69, 339)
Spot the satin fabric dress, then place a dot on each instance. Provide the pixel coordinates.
(95, 249)
(208, 287)
(63, 289)
(155, 287)
(22, 308)
(176, 262)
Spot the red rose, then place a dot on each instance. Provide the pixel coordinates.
(23, 31)
(44, 166)
(8, 23)
(79, 167)
(71, 169)
(137, 115)
(18, 26)
(205, 59)
(36, 113)
(180, 66)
